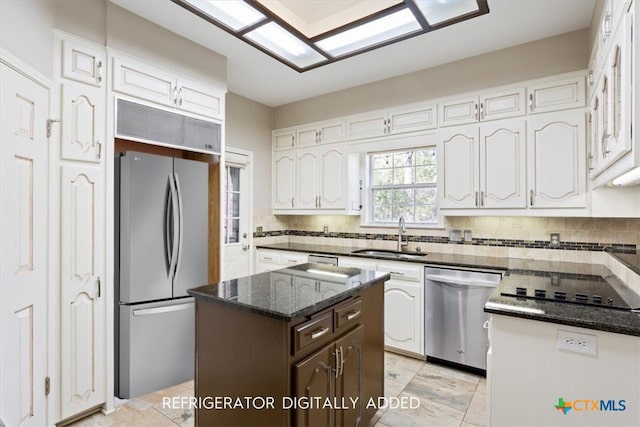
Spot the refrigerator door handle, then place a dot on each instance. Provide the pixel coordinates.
(168, 227)
(174, 227)
(180, 225)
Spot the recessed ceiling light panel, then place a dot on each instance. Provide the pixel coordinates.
(235, 14)
(371, 33)
(439, 11)
(284, 44)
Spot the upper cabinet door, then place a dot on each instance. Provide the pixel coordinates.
(459, 156)
(83, 63)
(459, 111)
(556, 160)
(331, 132)
(82, 122)
(307, 194)
(503, 164)
(308, 136)
(284, 180)
(557, 95)
(333, 179)
(283, 139)
(502, 105)
(413, 119)
(144, 82)
(197, 98)
(367, 126)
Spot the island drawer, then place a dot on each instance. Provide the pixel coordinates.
(312, 331)
(348, 314)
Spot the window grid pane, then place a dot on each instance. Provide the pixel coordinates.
(231, 205)
(403, 183)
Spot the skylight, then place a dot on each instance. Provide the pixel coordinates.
(357, 29)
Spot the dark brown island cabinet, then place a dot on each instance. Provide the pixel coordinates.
(301, 346)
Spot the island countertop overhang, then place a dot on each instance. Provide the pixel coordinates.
(290, 293)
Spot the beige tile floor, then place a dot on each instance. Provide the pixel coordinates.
(447, 397)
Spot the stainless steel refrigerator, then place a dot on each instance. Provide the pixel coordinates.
(161, 246)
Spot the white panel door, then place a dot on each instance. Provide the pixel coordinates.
(402, 319)
(307, 193)
(284, 180)
(197, 98)
(83, 119)
(333, 177)
(557, 95)
(283, 139)
(459, 155)
(24, 226)
(82, 302)
(502, 105)
(458, 111)
(556, 160)
(503, 166)
(83, 63)
(367, 125)
(143, 81)
(413, 119)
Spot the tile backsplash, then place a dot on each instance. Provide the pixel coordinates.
(577, 233)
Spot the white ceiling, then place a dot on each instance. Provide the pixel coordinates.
(257, 76)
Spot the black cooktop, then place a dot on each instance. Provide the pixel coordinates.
(570, 288)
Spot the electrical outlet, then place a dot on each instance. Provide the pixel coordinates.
(554, 239)
(326, 229)
(577, 343)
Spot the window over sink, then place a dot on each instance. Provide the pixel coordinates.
(403, 183)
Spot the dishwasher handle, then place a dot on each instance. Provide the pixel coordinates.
(450, 281)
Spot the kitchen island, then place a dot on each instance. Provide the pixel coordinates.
(300, 346)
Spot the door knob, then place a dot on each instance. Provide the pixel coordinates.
(245, 247)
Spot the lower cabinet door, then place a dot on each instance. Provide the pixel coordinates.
(349, 379)
(403, 324)
(313, 379)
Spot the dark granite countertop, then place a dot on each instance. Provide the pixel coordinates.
(292, 292)
(519, 271)
(630, 260)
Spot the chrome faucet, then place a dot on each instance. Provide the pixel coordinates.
(401, 230)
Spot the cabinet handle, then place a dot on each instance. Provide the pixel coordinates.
(590, 78)
(99, 71)
(397, 273)
(475, 113)
(530, 102)
(318, 333)
(292, 144)
(476, 199)
(337, 356)
(603, 144)
(388, 125)
(481, 198)
(175, 95)
(180, 96)
(590, 161)
(99, 287)
(353, 315)
(292, 202)
(531, 197)
(341, 360)
(267, 258)
(99, 145)
(384, 126)
(319, 201)
(481, 111)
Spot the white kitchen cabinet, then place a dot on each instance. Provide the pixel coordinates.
(411, 118)
(283, 139)
(403, 306)
(556, 95)
(526, 351)
(321, 133)
(363, 263)
(82, 301)
(483, 107)
(284, 179)
(484, 166)
(556, 160)
(83, 62)
(269, 260)
(83, 122)
(145, 81)
(321, 178)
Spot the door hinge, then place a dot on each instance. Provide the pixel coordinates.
(47, 386)
(99, 288)
(49, 123)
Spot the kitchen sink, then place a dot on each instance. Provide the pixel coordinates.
(389, 254)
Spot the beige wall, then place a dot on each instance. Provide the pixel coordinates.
(563, 53)
(248, 126)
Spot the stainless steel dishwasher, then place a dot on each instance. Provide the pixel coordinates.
(454, 314)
